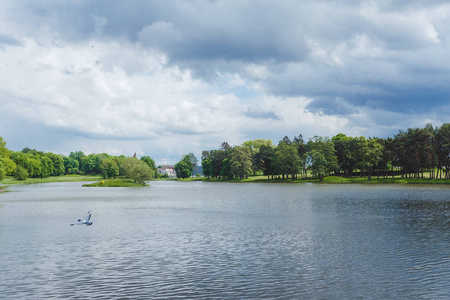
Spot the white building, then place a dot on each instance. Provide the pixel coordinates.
(167, 169)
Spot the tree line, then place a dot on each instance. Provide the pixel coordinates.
(31, 163)
(409, 153)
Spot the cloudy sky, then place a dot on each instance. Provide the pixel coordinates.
(165, 78)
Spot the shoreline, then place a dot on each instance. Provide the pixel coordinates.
(251, 179)
(330, 180)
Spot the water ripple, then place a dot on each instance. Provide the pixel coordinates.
(209, 242)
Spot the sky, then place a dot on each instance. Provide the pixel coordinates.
(168, 78)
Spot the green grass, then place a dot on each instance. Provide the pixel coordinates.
(115, 183)
(259, 178)
(64, 178)
(332, 180)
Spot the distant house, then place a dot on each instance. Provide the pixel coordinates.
(167, 169)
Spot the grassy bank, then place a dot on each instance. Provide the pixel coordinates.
(129, 183)
(64, 178)
(331, 180)
(115, 183)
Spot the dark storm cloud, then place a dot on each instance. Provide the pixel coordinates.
(184, 30)
(338, 61)
(225, 36)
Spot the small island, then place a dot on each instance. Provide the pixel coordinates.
(116, 183)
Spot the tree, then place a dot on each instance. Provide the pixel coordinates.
(57, 162)
(255, 146)
(302, 149)
(342, 145)
(373, 155)
(241, 161)
(388, 157)
(322, 156)
(217, 158)
(78, 156)
(318, 163)
(91, 164)
(6, 164)
(193, 162)
(442, 149)
(31, 165)
(285, 140)
(183, 167)
(20, 173)
(2, 167)
(429, 135)
(207, 163)
(109, 168)
(151, 163)
(264, 159)
(226, 172)
(137, 170)
(47, 166)
(287, 161)
(71, 165)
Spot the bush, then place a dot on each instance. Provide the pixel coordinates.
(20, 173)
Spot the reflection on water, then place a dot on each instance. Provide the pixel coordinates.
(226, 241)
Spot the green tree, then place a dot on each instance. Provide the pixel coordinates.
(28, 161)
(71, 165)
(286, 160)
(91, 163)
(20, 173)
(442, 150)
(193, 162)
(264, 159)
(342, 145)
(241, 161)
(255, 146)
(78, 156)
(88, 164)
(183, 167)
(217, 158)
(151, 163)
(322, 156)
(137, 170)
(226, 172)
(318, 163)
(57, 162)
(109, 168)
(2, 167)
(429, 135)
(373, 155)
(207, 163)
(5, 161)
(47, 166)
(302, 149)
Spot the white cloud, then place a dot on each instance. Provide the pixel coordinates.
(177, 77)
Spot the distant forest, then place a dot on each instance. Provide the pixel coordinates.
(416, 152)
(31, 163)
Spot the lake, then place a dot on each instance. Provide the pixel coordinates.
(200, 240)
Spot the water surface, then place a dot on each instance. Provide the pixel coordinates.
(202, 240)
